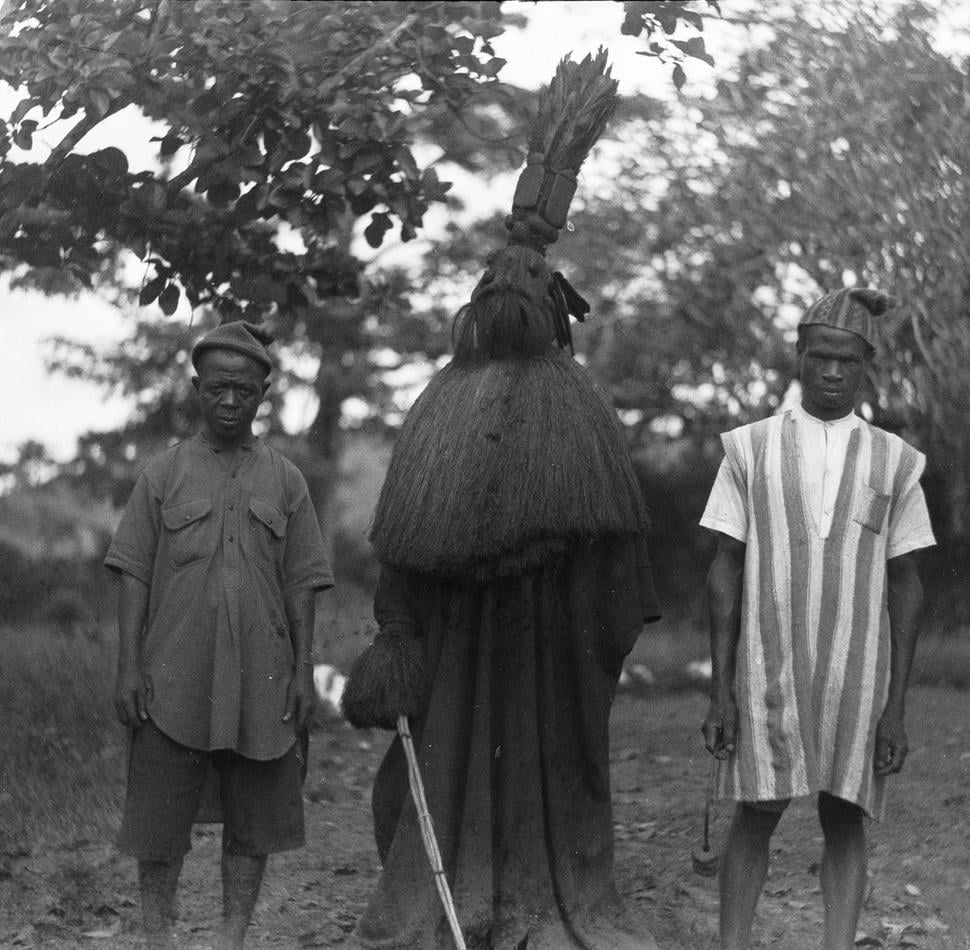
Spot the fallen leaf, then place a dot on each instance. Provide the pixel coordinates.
(933, 925)
(104, 910)
(309, 940)
(24, 937)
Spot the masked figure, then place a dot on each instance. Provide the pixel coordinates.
(514, 580)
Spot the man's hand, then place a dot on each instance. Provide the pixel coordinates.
(300, 696)
(720, 727)
(891, 744)
(133, 690)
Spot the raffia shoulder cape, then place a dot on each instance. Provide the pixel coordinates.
(499, 465)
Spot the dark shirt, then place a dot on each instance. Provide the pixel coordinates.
(221, 537)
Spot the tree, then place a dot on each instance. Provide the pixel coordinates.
(281, 128)
(837, 152)
(272, 114)
(291, 114)
(850, 164)
(834, 152)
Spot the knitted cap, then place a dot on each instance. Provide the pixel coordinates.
(850, 309)
(247, 338)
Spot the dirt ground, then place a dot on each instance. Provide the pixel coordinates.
(919, 894)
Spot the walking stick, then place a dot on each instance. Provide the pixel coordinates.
(427, 831)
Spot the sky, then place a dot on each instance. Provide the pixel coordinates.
(42, 406)
(45, 407)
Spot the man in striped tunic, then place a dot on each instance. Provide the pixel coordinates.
(814, 596)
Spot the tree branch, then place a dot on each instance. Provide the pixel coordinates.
(176, 184)
(918, 336)
(348, 68)
(195, 167)
(67, 144)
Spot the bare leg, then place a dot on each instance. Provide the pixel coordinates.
(157, 881)
(744, 868)
(843, 875)
(242, 876)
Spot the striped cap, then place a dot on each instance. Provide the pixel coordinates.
(247, 338)
(850, 309)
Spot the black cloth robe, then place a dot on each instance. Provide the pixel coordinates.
(520, 676)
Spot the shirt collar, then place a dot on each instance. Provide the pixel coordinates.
(849, 421)
(249, 444)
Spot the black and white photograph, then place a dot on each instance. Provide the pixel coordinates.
(484, 474)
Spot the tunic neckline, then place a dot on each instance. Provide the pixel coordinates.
(844, 491)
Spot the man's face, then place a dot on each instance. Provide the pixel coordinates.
(831, 365)
(230, 386)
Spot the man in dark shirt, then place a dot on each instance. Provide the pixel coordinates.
(219, 558)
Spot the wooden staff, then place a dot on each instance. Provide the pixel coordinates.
(427, 831)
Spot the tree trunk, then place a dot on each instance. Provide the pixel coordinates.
(323, 447)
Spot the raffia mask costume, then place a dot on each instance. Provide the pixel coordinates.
(514, 579)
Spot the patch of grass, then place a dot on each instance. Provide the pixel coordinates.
(942, 655)
(943, 659)
(667, 647)
(77, 886)
(345, 623)
(63, 753)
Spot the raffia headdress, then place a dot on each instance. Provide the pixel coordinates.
(512, 452)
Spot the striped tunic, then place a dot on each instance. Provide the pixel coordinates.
(813, 659)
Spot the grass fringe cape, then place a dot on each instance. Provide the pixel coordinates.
(500, 465)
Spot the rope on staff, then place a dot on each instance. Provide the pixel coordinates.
(704, 858)
(712, 784)
(427, 831)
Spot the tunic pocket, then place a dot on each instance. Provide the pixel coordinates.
(871, 509)
(268, 533)
(188, 532)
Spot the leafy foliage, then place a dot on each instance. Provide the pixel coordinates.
(282, 129)
(272, 114)
(840, 157)
(835, 153)
(663, 18)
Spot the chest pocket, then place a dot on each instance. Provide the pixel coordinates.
(871, 508)
(188, 530)
(268, 534)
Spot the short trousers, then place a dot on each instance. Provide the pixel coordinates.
(262, 801)
(772, 805)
